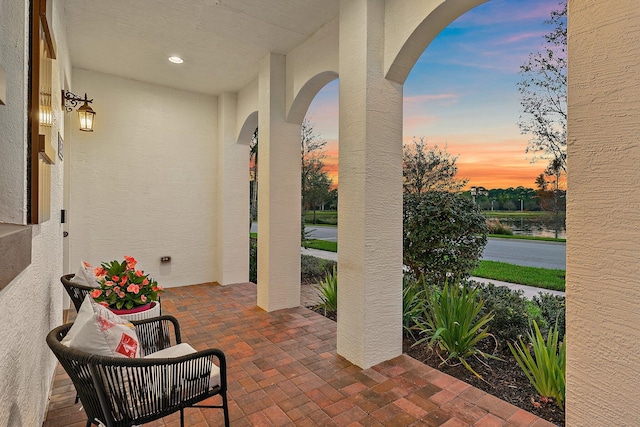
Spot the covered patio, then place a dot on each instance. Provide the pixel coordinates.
(283, 370)
(164, 175)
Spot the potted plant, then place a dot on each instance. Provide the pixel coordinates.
(124, 289)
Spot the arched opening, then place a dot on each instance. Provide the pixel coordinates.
(248, 135)
(461, 93)
(319, 175)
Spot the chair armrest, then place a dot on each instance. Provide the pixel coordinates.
(155, 333)
(140, 388)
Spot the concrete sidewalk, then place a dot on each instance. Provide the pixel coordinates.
(529, 291)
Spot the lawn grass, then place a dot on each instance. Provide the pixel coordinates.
(531, 276)
(322, 245)
(322, 213)
(546, 239)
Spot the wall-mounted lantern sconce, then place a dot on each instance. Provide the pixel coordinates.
(85, 112)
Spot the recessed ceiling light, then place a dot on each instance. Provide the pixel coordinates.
(176, 59)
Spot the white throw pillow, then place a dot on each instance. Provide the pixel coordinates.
(183, 349)
(85, 276)
(97, 330)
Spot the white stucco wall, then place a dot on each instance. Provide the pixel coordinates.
(603, 214)
(144, 182)
(233, 197)
(310, 66)
(278, 192)
(31, 304)
(370, 212)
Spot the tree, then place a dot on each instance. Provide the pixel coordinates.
(429, 168)
(444, 234)
(315, 180)
(253, 189)
(552, 198)
(543, 92)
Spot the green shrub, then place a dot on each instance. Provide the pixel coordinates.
(510, 311)
(546, 367)
(496, 227)
(452, 322)
(328, 292)
(552, 312)
(443, 235)
(314, 269)
(253, 260)
(413, 299)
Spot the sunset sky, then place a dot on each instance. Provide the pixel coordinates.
(462, 93)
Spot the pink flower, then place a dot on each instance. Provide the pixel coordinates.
(145, 281)
(124, 280)
(115, 278)
(131, 262)
(121, 294)
(99, 271)
(139, 273)
(143, 298)
(133, 288)
(104, 304)
(108, 292)
(116, 289)
(108, 283)
(96, 293)
(86, 264)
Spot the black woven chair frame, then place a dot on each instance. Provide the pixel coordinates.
(125, 392)
(76, 292)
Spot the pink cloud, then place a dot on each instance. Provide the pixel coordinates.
(538, 10)
(515, 38)
(418, 99)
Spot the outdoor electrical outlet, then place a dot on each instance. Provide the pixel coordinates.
(165, 259)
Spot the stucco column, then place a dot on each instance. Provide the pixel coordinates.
(278, 192)
(370, 211)
(603, 213)
(232, 255)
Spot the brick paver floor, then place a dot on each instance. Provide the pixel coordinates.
(283, 370)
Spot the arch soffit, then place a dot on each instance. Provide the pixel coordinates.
(247, 109)
(248, 127)
(410, 29)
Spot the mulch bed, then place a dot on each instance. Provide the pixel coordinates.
(501, 378)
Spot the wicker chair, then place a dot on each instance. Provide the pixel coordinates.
(124, 392)
(76, 292)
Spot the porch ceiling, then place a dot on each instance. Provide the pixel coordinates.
(221, 41)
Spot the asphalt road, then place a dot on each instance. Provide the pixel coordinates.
(533, 253)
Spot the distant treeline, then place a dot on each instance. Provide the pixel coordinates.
(515, 199)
